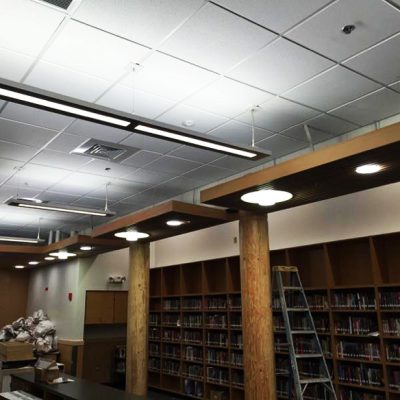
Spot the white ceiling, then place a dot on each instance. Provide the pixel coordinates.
(209, 62)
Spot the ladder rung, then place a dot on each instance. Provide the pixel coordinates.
(292, 288)
(314, 380)
(296, 309)
(309, 332)
(309, 355)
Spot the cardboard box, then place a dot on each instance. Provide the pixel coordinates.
(217, 395)
(16, 351)
(46, 371)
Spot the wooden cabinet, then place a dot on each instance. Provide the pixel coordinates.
(106, 307)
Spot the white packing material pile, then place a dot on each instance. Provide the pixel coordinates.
(36, 329)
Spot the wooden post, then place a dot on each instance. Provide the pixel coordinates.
(258, 336)
(138, 315)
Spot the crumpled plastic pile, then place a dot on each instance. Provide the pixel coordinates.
(36, 329)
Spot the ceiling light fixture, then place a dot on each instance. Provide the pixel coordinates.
(191, 140)
(19, 266)
(176, 222)
(33, 262)
(59, 207)
(19, 96)
(63, 255)
(368, 169)
(131, 235)
(266, 197)
(20, 239)
(49, 258)
(86, 248)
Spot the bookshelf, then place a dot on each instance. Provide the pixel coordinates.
(353, 289)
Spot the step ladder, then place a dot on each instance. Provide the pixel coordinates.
(293, 304)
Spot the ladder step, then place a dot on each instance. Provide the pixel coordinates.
(308, 332)
(310, 355)
(292, 288)
(314, 380)
(297, 309)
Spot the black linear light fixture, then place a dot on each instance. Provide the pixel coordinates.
(22, 94)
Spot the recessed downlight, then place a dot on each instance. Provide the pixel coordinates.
(266, 197)
(176, 222)
(132, 235)
(63, 255)
(19, 266)
(368, 169)
(33, 262)
(86, 248)
(49, 258)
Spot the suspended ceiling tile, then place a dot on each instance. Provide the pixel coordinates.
(298, 132)
(237, 164)
(279, 114)
(79, 183)
(148, 143)
(34, 116)
(24, 14)
(28, 135)
(396, 86)
(146, 22)
(57, 159)
(375, 20)
(193, 154)
(208, 173)
(149, 177)
(332, 89)
(90, 202)
(93, 52)
(280, 145)
(177, 186)
(15, 151)
(107, 169)
(332, 125)
(202, 121)
(278, 15)
(237, 132)
(136, 102)
(210, 39)
(58, 197)
(172, 165)
(87, 129)
(67, 82)
(141, 158)
(280, 66)
(7, 191)
(8, 167)
(119, 189)
(374, 107)
(227, 97)
(13, 66)
(66, 142)
(381, 62)
(169, 77)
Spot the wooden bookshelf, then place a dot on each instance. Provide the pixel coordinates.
(368, 268)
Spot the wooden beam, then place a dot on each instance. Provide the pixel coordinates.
(258, 333)
(378, 138)
(138, 316)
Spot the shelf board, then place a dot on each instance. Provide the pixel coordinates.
(358, 360)
(367, 387)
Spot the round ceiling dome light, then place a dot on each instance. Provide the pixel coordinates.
(266, 197)
(33, 262)
(49, 258)
(368, 169)
(19, 267)
(176, 222)
(63, 255)
(132, 235)
(86, 248)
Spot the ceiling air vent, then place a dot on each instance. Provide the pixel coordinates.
(64, 4)
(94, 148)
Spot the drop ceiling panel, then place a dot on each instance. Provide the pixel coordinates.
(8, 167)
(57, 197)
(202, 121)
(332, 125)
(79, 183)
(175, 187)
(57, 159)
(90, 202)
(168, 77)
(331, 89)
(396, 86)
(98, 167)
(16, 14)
(93, 52)
(228, 97)
(7, 191)
(137, 20)
(280, 66)
(193, 154)
(148, 143)
(136, 102)
(298, 132)
(15, 151)
(379, 105)
(149, 177)
(237, 132)
(172, 165)
(86, 129)
(119, 189)
(210, 39)
(13, 66)
(65, 81)
(236, 164)
(375, 20)
(279, 114)
(66, 142)
(34, 116)
(28, 135)
(208, 173)
(281, 145)
(141, 158)
(381, 62)
(278, 15)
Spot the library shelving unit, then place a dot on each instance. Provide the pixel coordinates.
(353, 289)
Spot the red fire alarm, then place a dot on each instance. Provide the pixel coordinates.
(70, 296)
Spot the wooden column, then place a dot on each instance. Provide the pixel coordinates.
(258, 339)
(138, 315)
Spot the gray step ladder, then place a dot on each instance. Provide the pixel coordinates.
(287, 288)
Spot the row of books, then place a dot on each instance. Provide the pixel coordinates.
(172, 335)
(217, 356)
(154, 364)
(217, 339)
(193, 353)
(365, 351)
(237, 378)
(217, 321)
(350, 394)
(192, 303)
(171, 350)
(171, 304)
(356, 325)
(171, 367)
(390, 299)
(193, 371)
(360, 375)
(354, 300)
(305, 345)
(317, 301)
(393, 352)
(314, 392)
(394, 382)
(216, 303)
(154, 319)
(391, 326)
(192, 321)
(171, 319)
(237, 359)
(217, 375)
(193, 388)
(154, 349)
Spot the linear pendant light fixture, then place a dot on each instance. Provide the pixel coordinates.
(48, 101)
(18, 239)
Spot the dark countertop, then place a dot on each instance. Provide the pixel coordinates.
(79, 389)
